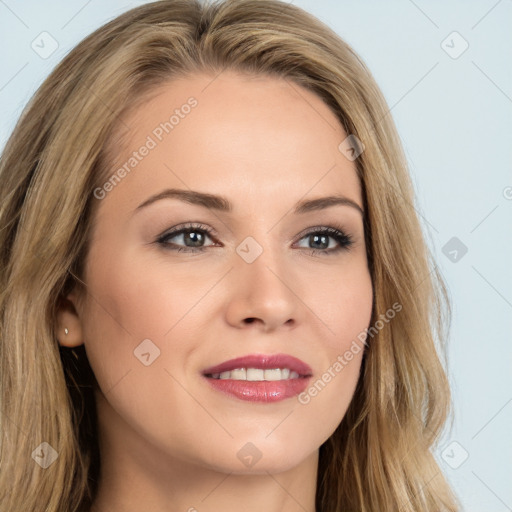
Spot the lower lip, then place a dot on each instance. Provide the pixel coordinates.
(260, 391)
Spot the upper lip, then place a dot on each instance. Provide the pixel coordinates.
(262, 361)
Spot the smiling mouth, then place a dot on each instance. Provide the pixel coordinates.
(257, 374)
(260, 377)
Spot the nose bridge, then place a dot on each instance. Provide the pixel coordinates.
(256, 260)
(263, 285)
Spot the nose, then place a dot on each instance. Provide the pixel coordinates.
(262, 294)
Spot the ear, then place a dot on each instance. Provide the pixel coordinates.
(69, 321)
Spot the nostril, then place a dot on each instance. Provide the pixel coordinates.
(250, 320)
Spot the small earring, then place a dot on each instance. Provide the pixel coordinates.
(66, 330)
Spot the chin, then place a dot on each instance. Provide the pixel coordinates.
(261, 457)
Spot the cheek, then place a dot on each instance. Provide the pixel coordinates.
(132, 300)
(129, 303)
(123, 309)
(344, 306)
(342, 302)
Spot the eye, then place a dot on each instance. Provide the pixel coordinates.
(319, 238)
(193, 236)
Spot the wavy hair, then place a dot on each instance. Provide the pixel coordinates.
(380, 456)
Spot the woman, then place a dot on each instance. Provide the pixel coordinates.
(216, 293)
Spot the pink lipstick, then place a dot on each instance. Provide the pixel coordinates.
(259, 377)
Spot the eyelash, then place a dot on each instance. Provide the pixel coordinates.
(344, 240)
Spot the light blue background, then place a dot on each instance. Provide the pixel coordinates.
(455, 120)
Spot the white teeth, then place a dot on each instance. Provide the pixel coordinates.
(274, 374)
(239, 374)
(257, 374)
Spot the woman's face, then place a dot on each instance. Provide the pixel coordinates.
(161, 308)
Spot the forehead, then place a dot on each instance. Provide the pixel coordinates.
(234, 134)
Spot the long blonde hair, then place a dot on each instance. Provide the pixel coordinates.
(380, 456)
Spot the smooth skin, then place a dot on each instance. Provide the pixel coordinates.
(168, 441)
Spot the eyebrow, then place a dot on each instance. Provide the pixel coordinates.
(222, 204)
